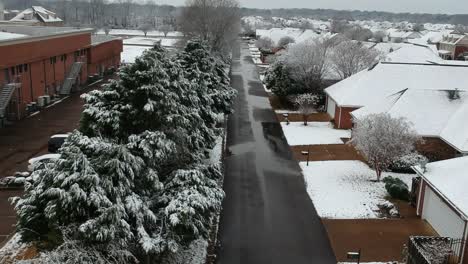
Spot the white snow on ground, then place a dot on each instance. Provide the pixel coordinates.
(346, 189)
(286, 111)
(315, 133)
(135, 32)
(216, 152)
(12, 248)
(130, 53)
(165, 42)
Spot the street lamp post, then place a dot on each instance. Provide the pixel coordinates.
(286, 118)
(306, 153)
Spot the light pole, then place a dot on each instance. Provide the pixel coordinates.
(306, 153)
(286, 118)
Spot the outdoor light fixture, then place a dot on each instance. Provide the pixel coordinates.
(354, 256)
(286, 118)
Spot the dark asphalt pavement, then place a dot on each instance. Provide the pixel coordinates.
(267, 215)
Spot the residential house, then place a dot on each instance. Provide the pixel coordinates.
(443, 202)
(421, 92)
(454, 47)
(38, 16)
(398, 36)
(436, 115)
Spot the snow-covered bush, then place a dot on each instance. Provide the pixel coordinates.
(405, 163)
(396, 188)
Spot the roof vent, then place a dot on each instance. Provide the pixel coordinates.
(454, 94)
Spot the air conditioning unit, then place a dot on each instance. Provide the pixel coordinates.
(41, 101)
(47, 99)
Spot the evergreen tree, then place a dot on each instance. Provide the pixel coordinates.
(210, 72)
(132, 176)
(279, 79)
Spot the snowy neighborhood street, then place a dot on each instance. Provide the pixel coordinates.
(268, 216)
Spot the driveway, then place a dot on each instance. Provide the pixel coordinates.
(267, 215)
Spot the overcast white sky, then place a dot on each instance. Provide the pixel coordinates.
(414, 6)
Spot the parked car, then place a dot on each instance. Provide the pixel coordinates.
(56, 141)
(36, 162)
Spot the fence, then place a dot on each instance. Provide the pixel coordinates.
(435, 250)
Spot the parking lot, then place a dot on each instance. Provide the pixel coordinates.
(28, 138)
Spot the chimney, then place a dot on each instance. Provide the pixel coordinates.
(454, 94)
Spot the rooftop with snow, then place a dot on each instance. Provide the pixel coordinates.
(11, 32)
(449, 178)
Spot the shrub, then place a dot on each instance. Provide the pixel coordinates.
(404, 163)
(396, 188)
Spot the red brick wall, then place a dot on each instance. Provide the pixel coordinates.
(42, 49)
(105, 55)
(343, 119)
(459, 50)
(436, 149)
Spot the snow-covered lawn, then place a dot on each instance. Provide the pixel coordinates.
(346, 189)
(315, 133)
(130, 53)
(165, 42)
(135, 32)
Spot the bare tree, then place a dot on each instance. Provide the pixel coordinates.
(145, 28)
(338, 26)
(308, 62)
(418, 27)
(165, 29)
(358, 33)
(351, 57)
(264, 43)
(382, 139)
(106, 29)
(306, 104)
(379, 36)
(215, 21)
(285, 41)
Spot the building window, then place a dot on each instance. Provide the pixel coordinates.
(19, 68)
(25, 66)
(12, 70)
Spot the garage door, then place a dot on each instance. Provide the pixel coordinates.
(331, 106)
(441, 217)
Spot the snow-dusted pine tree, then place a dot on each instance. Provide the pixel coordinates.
(133, 175)
(210, 72)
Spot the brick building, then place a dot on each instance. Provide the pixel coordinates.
(454, 47)
(38, 64)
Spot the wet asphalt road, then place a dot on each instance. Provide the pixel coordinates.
(267, 215)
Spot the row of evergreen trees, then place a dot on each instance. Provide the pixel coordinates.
(132, 181)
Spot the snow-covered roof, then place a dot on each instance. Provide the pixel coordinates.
(433, 113)
(410, 53)
(7, 35)
(403, 34)
(299, 35)
(37, 14)
(449, 178)
(385, 79)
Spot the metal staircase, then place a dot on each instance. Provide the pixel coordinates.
(71, 78)
(5, 96)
